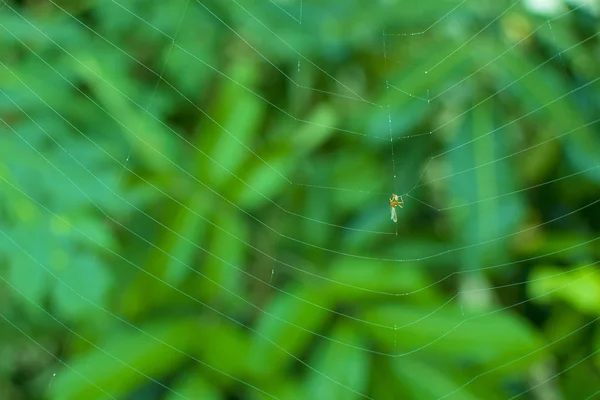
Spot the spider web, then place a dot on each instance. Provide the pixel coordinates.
(195, 199)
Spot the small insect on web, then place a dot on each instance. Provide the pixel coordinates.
(395, 201)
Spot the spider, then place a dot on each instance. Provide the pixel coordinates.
(395, 201)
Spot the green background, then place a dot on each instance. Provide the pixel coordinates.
(223, 232)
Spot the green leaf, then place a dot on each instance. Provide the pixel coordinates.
(112, 366)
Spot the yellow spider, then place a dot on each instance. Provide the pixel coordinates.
(395, 201)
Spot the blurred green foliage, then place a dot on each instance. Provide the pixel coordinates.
(171, 224)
